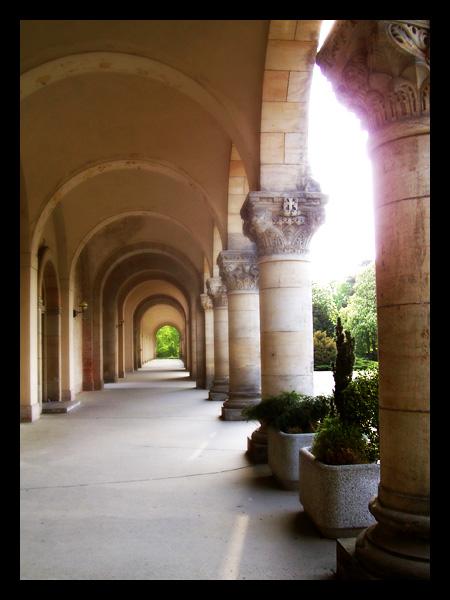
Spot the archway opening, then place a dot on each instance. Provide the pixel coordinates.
(168, 342)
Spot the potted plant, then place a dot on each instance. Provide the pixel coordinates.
(291, 419)
(340, 472)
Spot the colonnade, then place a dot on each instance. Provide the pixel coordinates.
(257, 331)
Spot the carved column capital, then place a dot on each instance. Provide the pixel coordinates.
(379, 69)
(238, 270)
(206, 301)
(217, 291)
(284, 222)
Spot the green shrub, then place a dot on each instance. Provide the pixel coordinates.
(350, 434)
(360, 407)
(324, 349)
(271, 408)
(364, 363)
(339, 443)
(345, 359)
(290, 412)
(305, 416)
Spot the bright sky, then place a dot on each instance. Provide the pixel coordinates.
(340, 164)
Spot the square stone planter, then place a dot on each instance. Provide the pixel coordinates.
(336, 497)
(283, 455)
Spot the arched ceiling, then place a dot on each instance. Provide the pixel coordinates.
(128, 126)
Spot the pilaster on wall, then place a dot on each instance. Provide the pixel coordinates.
(237, 191)
(291, 51)
(30, 408)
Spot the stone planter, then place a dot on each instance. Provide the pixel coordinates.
(283, 455)
(336, 497)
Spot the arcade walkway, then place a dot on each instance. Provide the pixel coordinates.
(144, 481)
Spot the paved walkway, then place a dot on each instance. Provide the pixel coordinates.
(144, 481)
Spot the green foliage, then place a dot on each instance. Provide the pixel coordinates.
(360, 315)
(324, 349)
(350, 434)
(324, 308)
(342, 292)
(345, 359)
(167, 342)
(364, 364)
(339, 443)
(360, 407)
(306, 416)
(290, 412)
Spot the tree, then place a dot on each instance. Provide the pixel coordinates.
(324, 349)
(342, 291)
(167, 342)
(343, 369)
(324, 309)
(360, 314)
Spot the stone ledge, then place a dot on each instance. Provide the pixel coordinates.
(50, 408)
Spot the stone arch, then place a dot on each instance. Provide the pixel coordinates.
(169, 323)
(142, 308)
(213, 102)
(122, 296)
(113, 164)
(186, 271)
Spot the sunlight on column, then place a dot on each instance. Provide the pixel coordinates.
(230, 565)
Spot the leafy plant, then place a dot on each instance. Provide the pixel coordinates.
(351, 433)
(290, 412)
(305, 416)
(339, 443)
(360, 402)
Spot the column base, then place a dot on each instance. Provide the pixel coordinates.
(232, 408)
(52, 408)
(219, 391)
(28, 414)
(67, 395)
(219, 396)
(257, 446)
(397, 547)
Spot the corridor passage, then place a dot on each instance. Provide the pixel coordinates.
(145, 481)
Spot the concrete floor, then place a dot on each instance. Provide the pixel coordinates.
(144, 481)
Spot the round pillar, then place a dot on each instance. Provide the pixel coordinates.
(382, 72)
(282, 224)
(218, 293)
(207, 306)
(240, 273)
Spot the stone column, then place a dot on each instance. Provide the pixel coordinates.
(381, 70)
(282, 224)
(67, 393)
(207, 305)
(218, 293)
(240, 273)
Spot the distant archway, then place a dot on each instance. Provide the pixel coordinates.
(168, 342)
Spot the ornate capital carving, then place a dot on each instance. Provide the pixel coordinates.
(206, 301)
(238, 269)
(379, 69)
(284, 222)
(217, 291)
